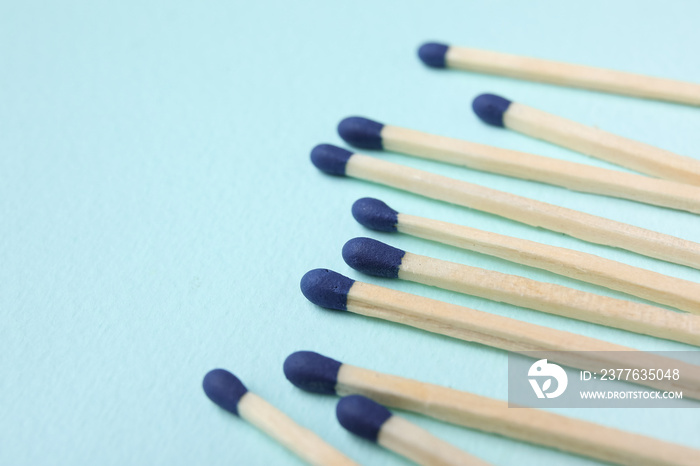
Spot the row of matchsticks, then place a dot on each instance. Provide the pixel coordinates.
(674, 183)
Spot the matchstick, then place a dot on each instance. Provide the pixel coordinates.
(340, 162)
(497, 111)
(331, 290)
(320, 374)
(370, 420)
(563, 74)
(373, 257)
(646, 284)
(229, 393)
(368, 134)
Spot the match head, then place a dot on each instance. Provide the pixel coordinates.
(433, 54)
(375, 214)
(361, 132)
(330, 159)
(373, 257)
(490, 108)
(326, 288)
(224, 389)
(362, 416)
(312, 372)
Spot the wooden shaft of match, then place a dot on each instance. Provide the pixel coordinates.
(566, 74)
(529, 425)
(513, 335)
(601, 144)
(300, 440)
(574, 176)
(540, 214)
(653, 286)
(417, 444)
(552, 298)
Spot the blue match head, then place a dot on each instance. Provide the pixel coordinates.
(490, 108)
(326, 288)
(374, 214)
(312, 372)
(330, 159)
(433, 54)
(373, 257)
(224, 389)
(361, 132)
(362, 416)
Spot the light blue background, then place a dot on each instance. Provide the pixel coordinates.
(159, 209)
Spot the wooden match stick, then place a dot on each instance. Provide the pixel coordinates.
(331, 290)
(563, 74)
(653, 286)
(319, 374)
(340, 162)
(497, 111)
(373, 257)
(229, 393)
(370, 420)
(367, 134)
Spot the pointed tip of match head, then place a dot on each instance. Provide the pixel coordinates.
(326, 288)
(362, 416)
(490, 108)
(361, 132)
(375, 214)
(312, 372)
(330, 159)
(373, 257)
(224, 389)
(433, 54)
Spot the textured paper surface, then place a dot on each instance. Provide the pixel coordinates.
(159, 209)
